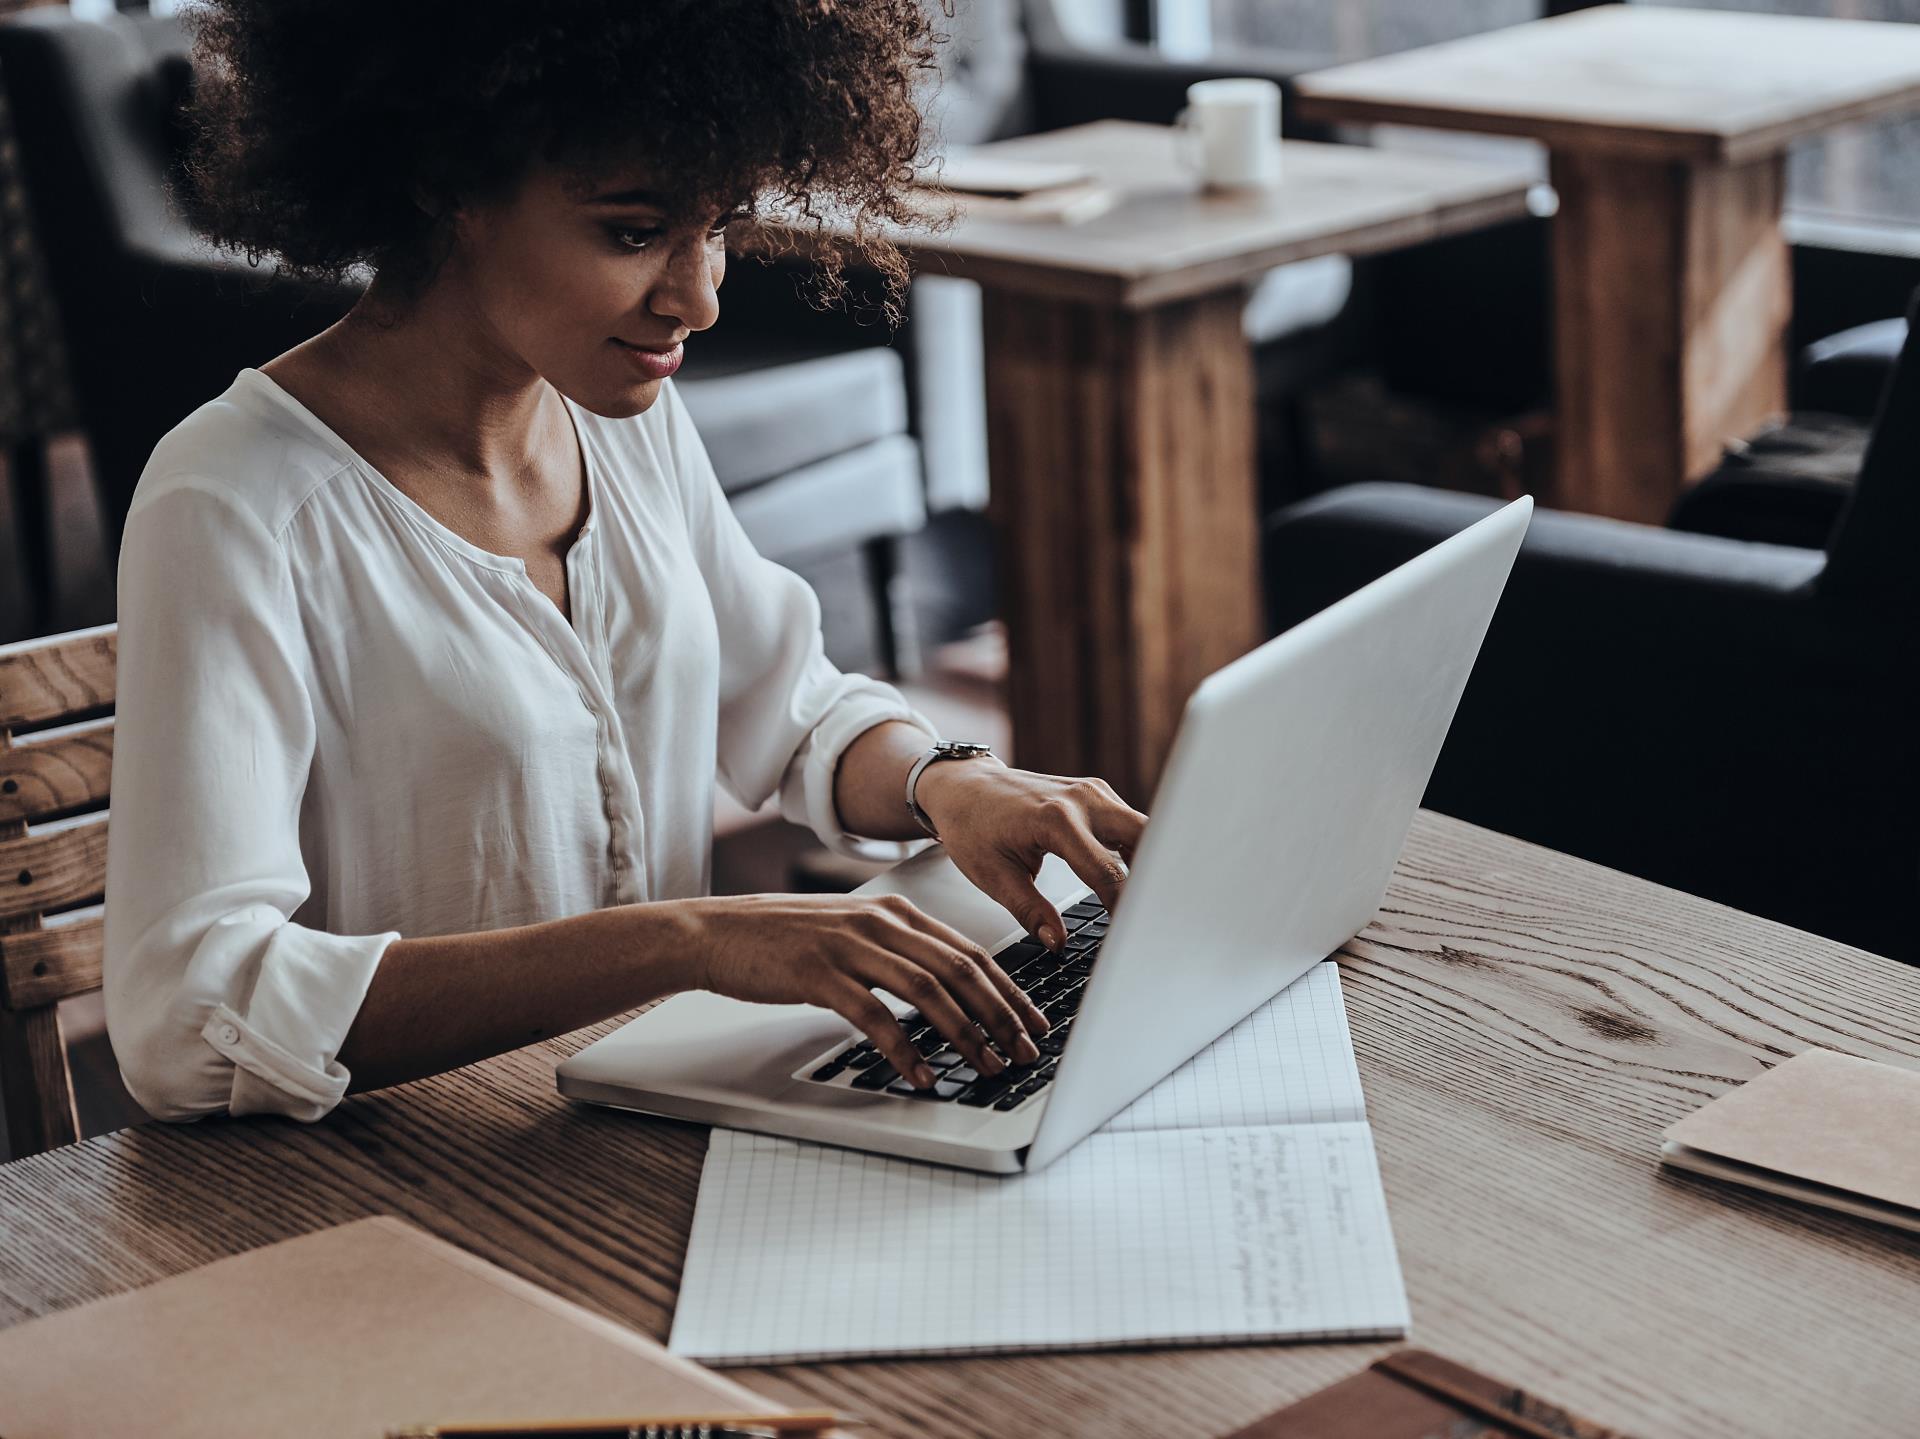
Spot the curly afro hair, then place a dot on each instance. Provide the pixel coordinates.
(328, 134)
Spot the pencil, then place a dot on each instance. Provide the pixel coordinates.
(667, 1426)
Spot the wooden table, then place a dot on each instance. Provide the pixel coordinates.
(1120, 413)
(1526, 1025)
(1667, 131)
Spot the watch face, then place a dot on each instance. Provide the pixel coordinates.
(961, 748)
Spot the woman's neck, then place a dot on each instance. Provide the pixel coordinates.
(427, 386)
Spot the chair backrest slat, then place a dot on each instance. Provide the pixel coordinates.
(54, 781)
(48, 681)
(54, 869)
(45, 966)
(56, 774)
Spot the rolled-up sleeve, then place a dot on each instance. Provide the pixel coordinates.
(216, 1000)
(787, 716)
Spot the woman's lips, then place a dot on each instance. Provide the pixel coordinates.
(654, 364)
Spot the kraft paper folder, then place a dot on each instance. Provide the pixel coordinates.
(346, 1334)
(1412, 1394)
(1823, 1128)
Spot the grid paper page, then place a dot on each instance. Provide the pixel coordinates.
(1289, 1062)
(802, 1252)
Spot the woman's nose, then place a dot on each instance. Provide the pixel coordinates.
(688, 290)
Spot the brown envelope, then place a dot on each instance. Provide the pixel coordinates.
(346, 1333)
(1822, 1127)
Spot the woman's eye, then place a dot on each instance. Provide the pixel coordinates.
(631, 237)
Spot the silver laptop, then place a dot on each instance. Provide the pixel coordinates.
(1284, 805)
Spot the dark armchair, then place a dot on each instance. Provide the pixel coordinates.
(1790, 483)
(1734, 719)
(156, 321)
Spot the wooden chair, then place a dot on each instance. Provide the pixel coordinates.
(56, 759)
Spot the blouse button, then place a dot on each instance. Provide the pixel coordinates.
(228, 1034)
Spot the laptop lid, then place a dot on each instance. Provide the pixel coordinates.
(1277, 822)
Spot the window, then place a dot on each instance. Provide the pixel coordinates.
(1341, 30)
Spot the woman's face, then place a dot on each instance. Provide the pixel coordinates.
(593, 287)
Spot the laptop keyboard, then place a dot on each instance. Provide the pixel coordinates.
(1053, 981)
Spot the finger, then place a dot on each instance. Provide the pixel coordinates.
(1116, 824)
(1031, 1018)
(951, 993)
(953, 961)
(861, 1008)
(1005, 881)
(1099, 867)
(1022, 1002)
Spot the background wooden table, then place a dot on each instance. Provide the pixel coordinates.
(1668, 131)
(1120, 414)
(1526, 1025)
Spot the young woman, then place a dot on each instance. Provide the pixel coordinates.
(436, 629)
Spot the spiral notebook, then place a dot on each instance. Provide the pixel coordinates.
(1237, 1201)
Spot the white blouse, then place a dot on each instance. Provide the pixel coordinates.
(340, 723)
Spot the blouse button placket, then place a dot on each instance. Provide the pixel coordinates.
(615, 798)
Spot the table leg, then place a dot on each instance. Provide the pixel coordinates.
(1124, 502)
(1671, 301)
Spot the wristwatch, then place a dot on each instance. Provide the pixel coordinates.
(944, 749)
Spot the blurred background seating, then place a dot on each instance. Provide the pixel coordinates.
(1727, 717)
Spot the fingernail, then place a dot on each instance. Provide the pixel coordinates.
(1051, 936)
(1026, 1051)
(990, 1063)
(1045, 1024)
(923, 1076)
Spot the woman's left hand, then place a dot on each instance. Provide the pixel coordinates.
(999, 823)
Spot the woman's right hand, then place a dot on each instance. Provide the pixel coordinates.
(835, 950)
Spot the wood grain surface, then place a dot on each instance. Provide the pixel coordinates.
(1526, 1025)
(1168, 238)
(1672, 294)
(1688, 85)
(1133, 562)
(46, 965)
(45, 680)
(56, 772)
(55, 868)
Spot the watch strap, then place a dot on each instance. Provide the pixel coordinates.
(944, 749)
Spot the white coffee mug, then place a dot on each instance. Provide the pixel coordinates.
(1229, 134)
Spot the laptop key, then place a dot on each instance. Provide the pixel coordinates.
(985, 1091)
(1015, 955)
(863, 1058)
(1012, 1101)
(878, 1077)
